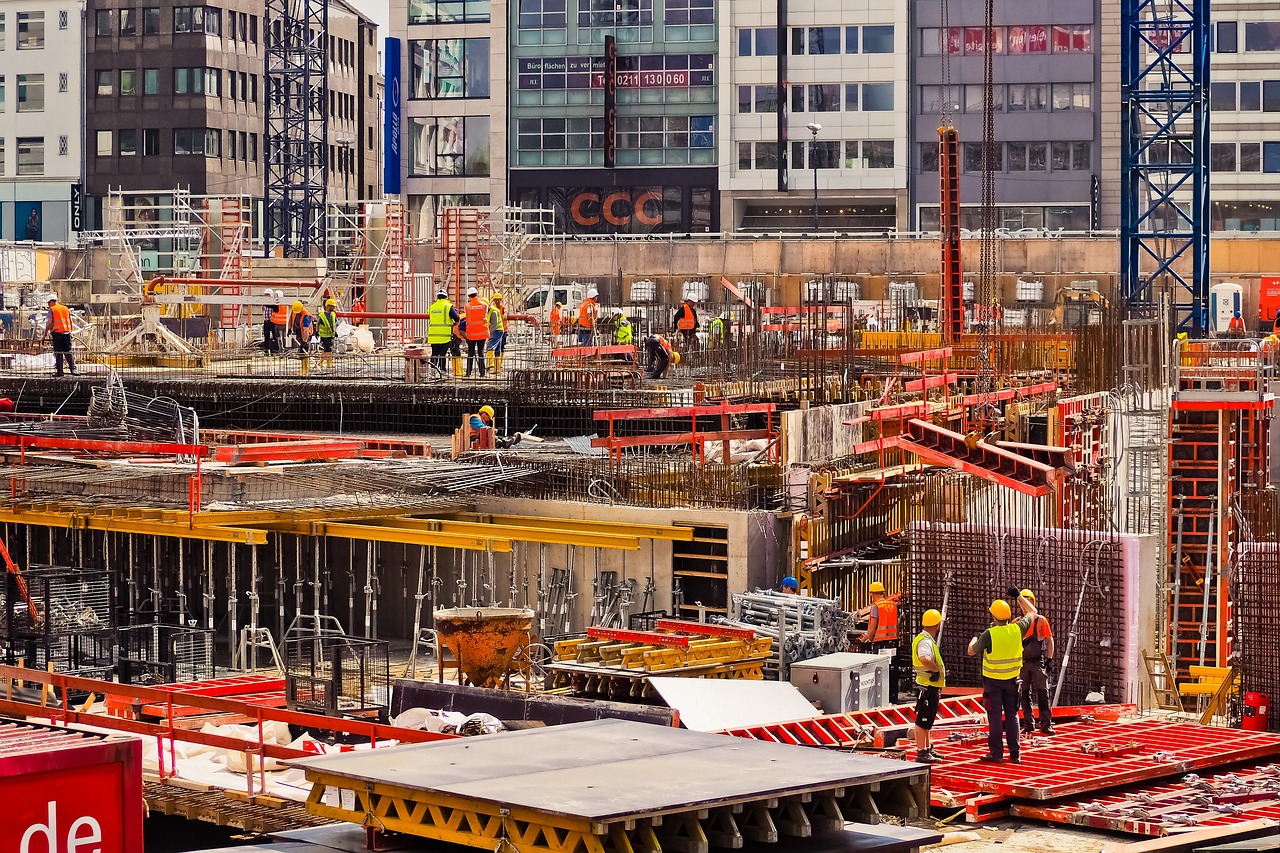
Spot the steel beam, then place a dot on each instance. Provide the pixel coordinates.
(543, 535)
(376, 533)
(670, 533)
(116, 524)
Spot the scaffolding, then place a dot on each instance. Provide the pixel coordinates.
(485, 248)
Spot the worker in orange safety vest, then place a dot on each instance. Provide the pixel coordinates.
(476, 316)
(59, 326)
(587, 312)
(687, 323)
(881, 636)
(555, 321)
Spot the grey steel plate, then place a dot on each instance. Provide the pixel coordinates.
(609, 770)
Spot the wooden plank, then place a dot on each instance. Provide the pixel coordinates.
(1200, 838)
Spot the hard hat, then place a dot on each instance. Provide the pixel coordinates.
(330, 303)
(487, 410)
(1000, 609)
(592, 293)
(471, 291)
(675, 358)
(442, 294)
(617, 312)
(279, 294)
(688, 299)
(876, 586)
(931, 618)
(790, 583)
(268, 292)
(1029, 595)
(297, 305)
(53, 297)
(559, 304)
(497, 296)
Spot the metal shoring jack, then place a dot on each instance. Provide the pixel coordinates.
(253, 607)
(182, 586)
(491, 577)
(154, 590)
(231, 604)
(651, 587)
(418, 597)
(298, 582)
(569, 594)
(209, 596)
(461, 591)
(351, 586)
(1173, 621)
(368, 590)
(542, 590)
(511, 574)
(1208, 584)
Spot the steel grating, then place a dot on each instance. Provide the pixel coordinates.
(1157, 810)
(1257, 600)
(1059, 768)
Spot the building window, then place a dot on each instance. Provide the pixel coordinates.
(102, 23)
(973, 157)
(30, 30)
(253, 147)
(690, 12)
(455, 145)
(104, 84)
(1271, 157)
(975, 99)
(614, 13)
(188, 140)
(1271, 96)
(63, 145)
(128, 22)
(30, 93)
(744, 156)
(2, 88)
(1222, 96)
(1262, 35)
(128, 82)
(128, 142)
(151, 21)
(449, 68)
(851, 40)
(197, 19)
(928, 156)
(877, 97)
(197, 81)
(150, 81)
(816, 41)
(1222, 156)
(1072, 96)
(766, 155)
(824, 155)
(150, 141)
(824, 98)
(30, 155)
(448, 11)
(102, 146)
(1226, 37)
(877, 39)
(62, 19)
(1250, 96)
(1028, 97)
(877, 154)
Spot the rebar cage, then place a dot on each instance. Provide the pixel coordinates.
(335, 674)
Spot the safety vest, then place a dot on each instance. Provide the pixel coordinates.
(302, 325)
(666, 345)
(61, 318)
(439, 328)
(624, 333)
(1032, 643)
(686, 319)
(717, 328)
(555, 320)
(587, 314)
(477, 324)
(923, 675)
(1003, 661)
(280, 315)
(327, 324)
(886, 621)
(497, 318)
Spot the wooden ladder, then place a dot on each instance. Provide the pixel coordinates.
(1164, 685)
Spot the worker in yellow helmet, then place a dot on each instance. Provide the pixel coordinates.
(1000, 647)
(931, 677)
(483, 435)
(301, 325)
(327, 330)
(881, 636)
(497, 347)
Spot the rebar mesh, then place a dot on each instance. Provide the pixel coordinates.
(1257, 601)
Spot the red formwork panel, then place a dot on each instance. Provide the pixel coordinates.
(1059, 767)
(66, 789)
(1166, 809)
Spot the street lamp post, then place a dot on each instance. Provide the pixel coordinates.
(814, 127)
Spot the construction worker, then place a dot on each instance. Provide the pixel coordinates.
(719, 331)
(622, 334)
(58, 326)
(1269, 352)
(327, 330)
(789, 585)
(1033, 680)
(1275, 322)
(686, 322)
(482, 432)
(1235, 329)
(1001, 649)
(658, 357)
(931, 677)
(301, 324)
(587, 313)
(442, 318)
(882, 631)
(497, 319)
(268, 328)
(477, 330)
(556, 321)
(279, 321)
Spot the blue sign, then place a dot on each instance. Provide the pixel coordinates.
(391, 118)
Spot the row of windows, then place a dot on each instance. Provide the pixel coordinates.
(241, 85)
(1251, 157)
(672, 131)
(205, 141)
(819, 98)
(647, 71)
(845, 154)
(1258, 36)
(1249, 96)
(1017, 156)
(186, 19)
(449, 68)
(553, 14)
(1019, 39)
(1014, 97)
(817, 41)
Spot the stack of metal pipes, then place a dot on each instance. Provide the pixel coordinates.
(801, 627)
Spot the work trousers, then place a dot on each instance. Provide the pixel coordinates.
(584, 336)
(1033, 683)
(657, 361)
(475, 355)
(690, 337)
(498, 342)
(61, 350)
(1000, 699)
(439, 354)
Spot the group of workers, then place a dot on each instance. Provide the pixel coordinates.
(482, 325)
(1015, 654)
(286, 327)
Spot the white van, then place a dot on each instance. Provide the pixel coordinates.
(539, 299)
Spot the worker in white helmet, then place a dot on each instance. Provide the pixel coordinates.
(586, 317)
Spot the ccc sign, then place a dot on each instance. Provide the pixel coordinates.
(617, 208)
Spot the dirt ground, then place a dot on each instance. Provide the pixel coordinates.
(1012, 836)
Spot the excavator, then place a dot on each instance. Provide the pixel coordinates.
(1078, 304)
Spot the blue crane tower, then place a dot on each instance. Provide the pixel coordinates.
(1164, 73)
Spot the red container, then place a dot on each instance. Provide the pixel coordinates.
(1255, 712)
(69, 791)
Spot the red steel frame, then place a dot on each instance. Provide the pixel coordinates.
(698, 440)
(949, 209)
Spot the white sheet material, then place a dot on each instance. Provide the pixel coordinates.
(714, 704)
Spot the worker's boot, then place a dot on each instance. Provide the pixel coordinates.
(489, 358)
(458, 369)
(497, 364)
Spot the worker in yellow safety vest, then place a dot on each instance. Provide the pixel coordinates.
(59, 327)
(441, 318)
(327, 330)
(497, 319)
(931, 677)
(477, 330)
(1001, 649)
(881, 636)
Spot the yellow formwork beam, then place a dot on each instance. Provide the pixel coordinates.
(542, 535)
(667, 532)
(394, 535)
(117, 524)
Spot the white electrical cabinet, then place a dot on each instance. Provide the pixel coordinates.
(844, 681)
